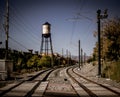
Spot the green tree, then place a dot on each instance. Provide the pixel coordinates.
(19, 64)
(110, 48)
(45, 61)
(32, 62)
(112, 39)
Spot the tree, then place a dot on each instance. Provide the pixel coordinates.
(112, 39)
(110, 48)
(32, 62)
(45, 61)
(95, 52)
(19, 64)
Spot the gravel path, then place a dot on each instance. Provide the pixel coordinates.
(59, 86)
(91, 72)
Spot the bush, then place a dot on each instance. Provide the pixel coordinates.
(116, 71)
(112, 70)
(45, 61)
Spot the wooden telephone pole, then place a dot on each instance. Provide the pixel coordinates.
(99, 17)
(7, 28)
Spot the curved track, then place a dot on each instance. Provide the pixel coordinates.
(87, 87)
(26, 87)
(59, 82)
(58, 85)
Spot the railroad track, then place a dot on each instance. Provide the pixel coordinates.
(58, 85)
(79, 86)
(88, 88)
(27, 88)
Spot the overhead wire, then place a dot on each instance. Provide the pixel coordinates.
(18, 43)
(79, 16)
(2, 32)
(19, 29)
(16, 25)
(24, 21)
(73, 30)
(75, 19)
(22, 26)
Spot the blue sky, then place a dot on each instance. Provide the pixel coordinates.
(71, 20)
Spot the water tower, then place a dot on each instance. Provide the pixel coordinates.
(46, 43)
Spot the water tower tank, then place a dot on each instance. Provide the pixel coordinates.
(46, 29)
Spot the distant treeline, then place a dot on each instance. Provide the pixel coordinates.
(27, 61)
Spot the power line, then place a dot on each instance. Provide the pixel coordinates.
(23, 26)
(17, 25)
(73, 30)
(20, 17)
(18, 43)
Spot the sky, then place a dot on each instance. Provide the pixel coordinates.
(71, 21)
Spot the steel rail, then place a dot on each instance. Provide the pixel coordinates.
(30, 79)
(118, 93)
(29, 94)
(90, 93)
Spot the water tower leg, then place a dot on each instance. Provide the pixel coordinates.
(41, 51)
(51, 51)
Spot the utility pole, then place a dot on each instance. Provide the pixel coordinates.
(81, 57)
(67, 57)
(79, 52)
(7, 28)
(62, 52)
(84, 58)
(99, 17)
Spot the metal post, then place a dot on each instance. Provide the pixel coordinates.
(47, 46)
(84, 58)
(51, 51)
(41, 51)
(79, 52)
(81, 57)
(62, 52)
(67, 57)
